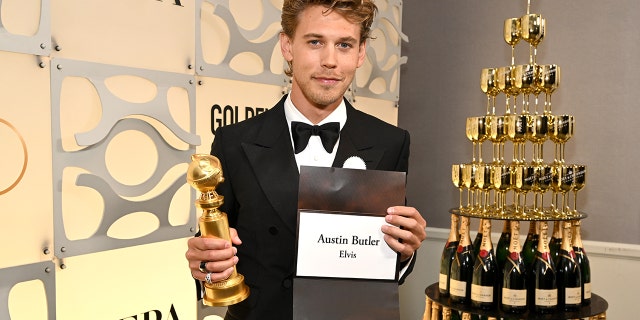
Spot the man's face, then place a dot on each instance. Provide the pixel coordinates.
(324, 54)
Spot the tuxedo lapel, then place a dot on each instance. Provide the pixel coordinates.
(271, 157)
(354, 141)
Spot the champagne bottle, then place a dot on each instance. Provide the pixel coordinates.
(502, 251)
(568, 273)
(583, 262)
(530, 244)
(462, 266)
(528, 256)
(514, 275)
(543, 275)
(478, 239)
(485, 270)
(556, 241)
(448, 254)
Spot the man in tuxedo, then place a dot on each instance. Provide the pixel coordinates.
(324, 43)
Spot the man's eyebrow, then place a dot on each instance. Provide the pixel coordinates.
(343, 39)
(313, 36)
(349, 39)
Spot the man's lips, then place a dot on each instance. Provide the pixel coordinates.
(327, 78)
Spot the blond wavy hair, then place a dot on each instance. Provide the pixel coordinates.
(356, 11)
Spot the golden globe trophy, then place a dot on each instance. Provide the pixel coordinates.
(205, 174)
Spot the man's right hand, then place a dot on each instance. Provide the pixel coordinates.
(218, 253)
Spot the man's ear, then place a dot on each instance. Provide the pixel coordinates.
(362, 53)
(285, 47)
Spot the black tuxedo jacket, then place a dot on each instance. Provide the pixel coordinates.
(260, 196)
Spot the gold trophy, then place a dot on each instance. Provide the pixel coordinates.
(469, 180)
(525, 180)
(533, 30)
(512, 34)
(517, 129)
(545, 178)
(502, 183)
(476, 129)
(205, 174)
(560, 131)
(456, 177)
(525, 81)
(579, 179)
(567, 178)
(489, 85)
(548, 80)
(538, 133)
(498, 134)
(507, 84)
(484, 181)
(562, 183)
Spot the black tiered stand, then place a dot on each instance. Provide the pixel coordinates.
(598, 306)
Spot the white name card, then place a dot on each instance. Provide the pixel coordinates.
(338, 245)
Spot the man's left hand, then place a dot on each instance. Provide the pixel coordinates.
(407, 230)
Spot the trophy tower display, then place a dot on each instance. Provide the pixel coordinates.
(205, 174)
(515, 190)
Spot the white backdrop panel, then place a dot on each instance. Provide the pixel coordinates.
(129, 282)
(25, 170)
(148, 34)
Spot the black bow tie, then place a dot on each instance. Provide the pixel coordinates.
(301, 132)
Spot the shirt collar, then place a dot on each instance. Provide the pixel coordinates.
(293, 114)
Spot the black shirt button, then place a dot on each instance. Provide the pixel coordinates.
(273, 230)
(287, 283)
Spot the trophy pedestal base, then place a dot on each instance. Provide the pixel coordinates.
(226, 292)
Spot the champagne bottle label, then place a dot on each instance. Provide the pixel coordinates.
(587, 290)
(514, 297)
(573, 295)
(546, 297)
(442, 281)
(482, 293)
(458, 288)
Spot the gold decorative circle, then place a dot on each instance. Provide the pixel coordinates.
(24, 149)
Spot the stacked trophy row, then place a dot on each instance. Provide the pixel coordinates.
(523, 123)
(549, 273)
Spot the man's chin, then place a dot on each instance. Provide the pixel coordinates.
(325, 97)
(327, 101)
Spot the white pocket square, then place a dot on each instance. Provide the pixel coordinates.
(354, 163)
